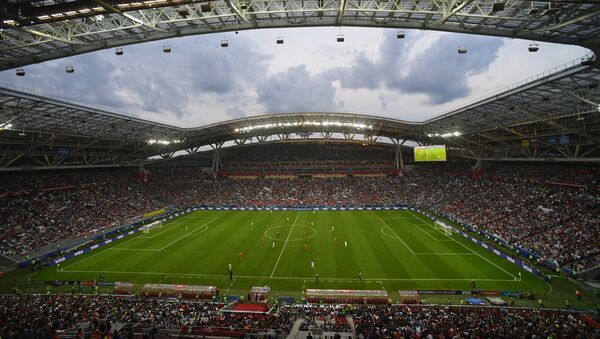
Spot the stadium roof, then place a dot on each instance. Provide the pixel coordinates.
(34, 31)
(555, 116)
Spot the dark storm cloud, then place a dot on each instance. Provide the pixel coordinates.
(438, 72)
(296, 90)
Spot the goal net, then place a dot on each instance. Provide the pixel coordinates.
(153, 225)
(443, 227)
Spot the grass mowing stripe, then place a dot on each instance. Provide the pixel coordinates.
(285, 244)
(434, 265)
(482, 257)
(397, 237)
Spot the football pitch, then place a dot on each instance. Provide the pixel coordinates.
(392, 250)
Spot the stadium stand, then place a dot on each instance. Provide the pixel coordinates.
(530, 206)
(84, 316)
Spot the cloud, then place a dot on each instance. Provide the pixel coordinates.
(149, 83)
(297, 90)
(436, 71)
(442, 74)
(364, 74)
(372, 72)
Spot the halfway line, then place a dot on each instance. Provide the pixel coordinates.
(284, 244)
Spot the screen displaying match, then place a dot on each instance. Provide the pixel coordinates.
(430, 153)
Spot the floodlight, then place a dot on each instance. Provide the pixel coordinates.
(498, 6)
(533, 47)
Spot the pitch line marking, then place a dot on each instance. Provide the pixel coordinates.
(285, 244)
(396, 235)
(178, 223)
(204, 228)
(84, 259)
(427, 253)
(304, 279)
(416, 224)
(167, 227)
(461, 244)
(295, 239)
(429, 234)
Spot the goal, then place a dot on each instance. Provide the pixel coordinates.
(443, 227)
(153, 225)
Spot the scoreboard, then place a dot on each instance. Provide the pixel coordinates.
(430, 153)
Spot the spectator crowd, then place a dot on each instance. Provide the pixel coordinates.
(83, 316)
(553, 211)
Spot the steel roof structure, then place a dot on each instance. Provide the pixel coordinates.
(34, 31)
(554, 116)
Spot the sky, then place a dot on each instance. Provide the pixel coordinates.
(372, 72)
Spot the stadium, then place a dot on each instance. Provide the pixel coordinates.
(480, 222)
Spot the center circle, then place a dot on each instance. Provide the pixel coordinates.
(269, 233)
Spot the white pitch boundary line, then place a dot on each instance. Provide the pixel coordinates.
(397, 237)
(204, 228)
(219, 276)
(461, 244)
(82, 260)
(429, 234)
(285, 244)
(425, 253)
(167, 228)
(187, 235)
(419, 228)
(172, 226)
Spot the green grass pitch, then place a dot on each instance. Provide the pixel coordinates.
(393, 250)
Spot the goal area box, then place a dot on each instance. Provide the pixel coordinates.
(347, 296)
(183, 291)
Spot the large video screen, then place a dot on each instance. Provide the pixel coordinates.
(430, 153)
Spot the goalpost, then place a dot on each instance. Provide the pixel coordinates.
(443, 227)
(153, 225)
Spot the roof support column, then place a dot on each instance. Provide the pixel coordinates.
(217, 166)
(398, 159)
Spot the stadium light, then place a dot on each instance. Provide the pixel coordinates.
(164, 142)
(444, 135)
(6, 126)
(303, 124)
